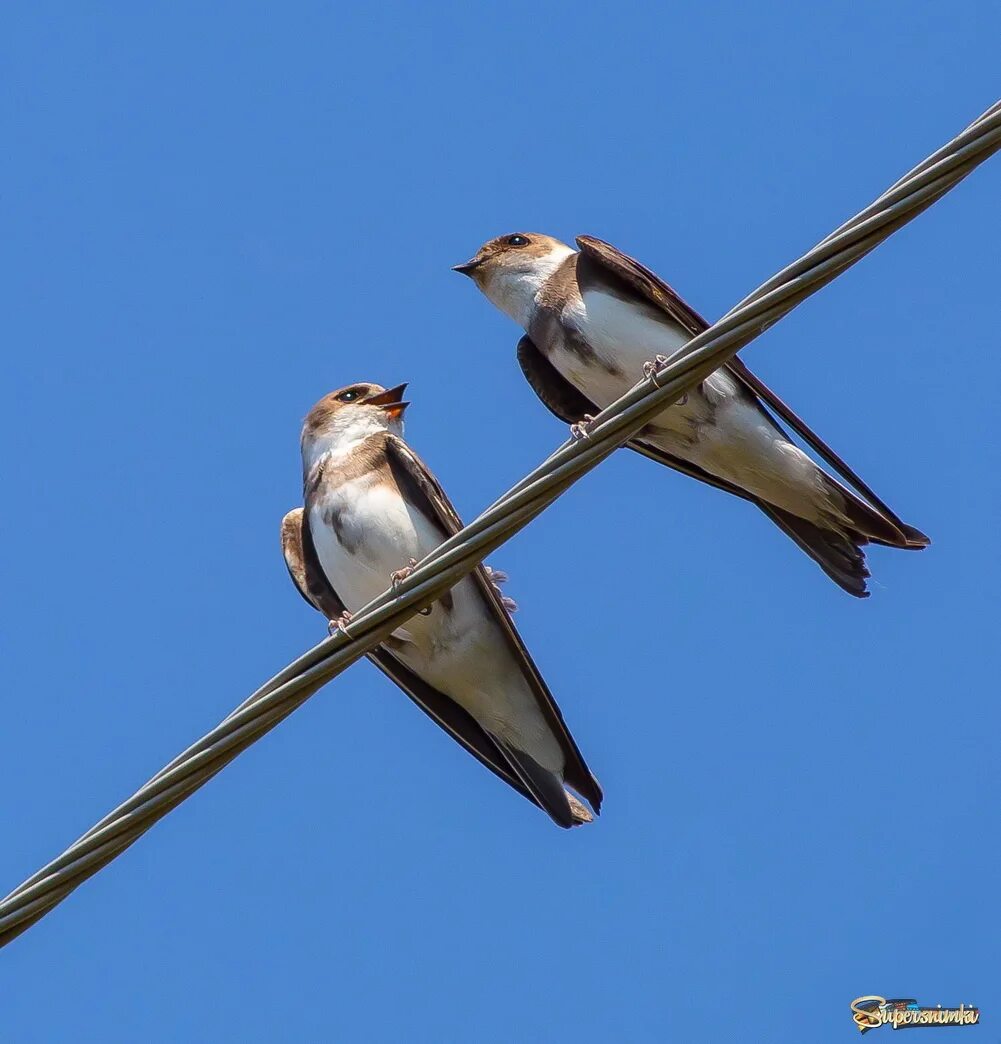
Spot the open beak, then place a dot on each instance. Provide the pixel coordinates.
(391, 400)
(468, 267)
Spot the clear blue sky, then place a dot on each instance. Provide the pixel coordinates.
(213, 214)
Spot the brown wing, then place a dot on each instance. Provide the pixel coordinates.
(758, 387)
(646, 283)
(292, 553)
(423, 491)
(556, 393)
(312, 584)
(658, 293)
(310, 581)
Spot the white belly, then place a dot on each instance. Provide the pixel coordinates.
(461, 651)
(722, 431)
(625, 336)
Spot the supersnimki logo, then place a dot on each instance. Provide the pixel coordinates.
(905, 1013)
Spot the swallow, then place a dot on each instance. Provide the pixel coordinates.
(597, 321)
(372, 509)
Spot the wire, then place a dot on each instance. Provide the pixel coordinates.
(457, 556)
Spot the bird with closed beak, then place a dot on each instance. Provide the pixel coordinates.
(597, 322)
(372, 510)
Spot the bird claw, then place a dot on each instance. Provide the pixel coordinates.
(496, 578)
(651, 366)
(579, 430)
(340, 624)
(399, 575)
(650, 369)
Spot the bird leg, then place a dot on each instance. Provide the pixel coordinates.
(340, 624)
(650, 368)
(579, 430)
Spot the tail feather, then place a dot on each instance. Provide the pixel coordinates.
(545, 786)
(838, 554)
(837, 548)
(865, 520)
(916, 540)
(872, 524)
(580, 812)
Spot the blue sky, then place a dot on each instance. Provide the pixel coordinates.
(216, 213)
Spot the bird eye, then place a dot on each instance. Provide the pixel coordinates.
(517, 241)
(349, 396)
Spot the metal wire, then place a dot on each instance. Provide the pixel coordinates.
(448, 563)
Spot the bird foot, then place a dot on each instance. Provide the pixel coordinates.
(579, 430)
(496, 578)
(651, 366)
(650, 370)
(340, 624)
(399, 575)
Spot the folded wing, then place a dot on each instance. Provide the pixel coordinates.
(646, 284)
(423, 490)
(312, 584)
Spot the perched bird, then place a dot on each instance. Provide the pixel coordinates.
(372, 509)
(597, 321)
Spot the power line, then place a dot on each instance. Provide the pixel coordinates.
(458, 555)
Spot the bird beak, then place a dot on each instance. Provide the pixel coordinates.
(391, 400)
(468, 267)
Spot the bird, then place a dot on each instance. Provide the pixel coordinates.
(597, 321)
(371, 510)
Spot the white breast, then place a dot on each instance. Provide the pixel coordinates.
(371, 533)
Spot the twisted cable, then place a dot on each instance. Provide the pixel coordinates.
(447, 564)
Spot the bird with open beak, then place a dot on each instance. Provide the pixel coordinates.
(597, 322)
(372, 510)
